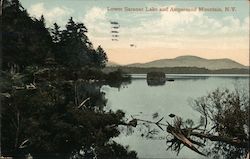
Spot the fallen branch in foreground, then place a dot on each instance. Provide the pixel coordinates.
(182, 135)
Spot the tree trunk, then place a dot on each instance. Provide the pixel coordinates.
(232, 141)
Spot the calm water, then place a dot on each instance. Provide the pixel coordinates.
(142, 101)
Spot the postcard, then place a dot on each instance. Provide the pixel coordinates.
(124, 79)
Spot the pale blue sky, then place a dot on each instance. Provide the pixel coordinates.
(156, 34)
(81, 7)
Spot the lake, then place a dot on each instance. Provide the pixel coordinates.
(140, 100)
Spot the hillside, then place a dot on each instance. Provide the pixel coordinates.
(191, 61)
(176, 70)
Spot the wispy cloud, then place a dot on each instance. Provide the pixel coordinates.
(166, 25)
(173, 29)
(97, 22)
(56, 14)
(162, 30)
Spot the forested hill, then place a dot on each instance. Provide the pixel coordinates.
(178, 70)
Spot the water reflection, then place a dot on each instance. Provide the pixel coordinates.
(138, 98)
(156, 82)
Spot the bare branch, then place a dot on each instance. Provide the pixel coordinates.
(82, 104)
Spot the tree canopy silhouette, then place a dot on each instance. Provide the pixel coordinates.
(46, 109)
(27, 41)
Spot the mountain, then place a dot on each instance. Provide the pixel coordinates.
(191, 61)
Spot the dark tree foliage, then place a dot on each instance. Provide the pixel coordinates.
(226, 113)
(99, 57)
(49, 106)
(74, 45)
(73, 48)
(178, 70)
(56, 33)
(156, 78)
(26, 41)
(57, 116)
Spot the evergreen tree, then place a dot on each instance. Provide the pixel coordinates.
(100, 57)
(56, 33)
(41, 107)
(26, 41)
(42, 20)
(75, 47)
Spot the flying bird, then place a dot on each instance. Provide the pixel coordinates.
(132, 45)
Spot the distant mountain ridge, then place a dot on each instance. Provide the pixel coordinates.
(191, 61)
